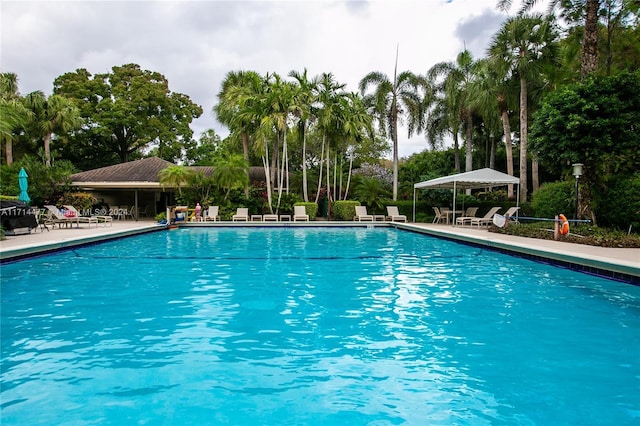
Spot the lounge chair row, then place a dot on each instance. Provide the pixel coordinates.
(54, 216)
(299, 214)
(468, 218)
(393, 215)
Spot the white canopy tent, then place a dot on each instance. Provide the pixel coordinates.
(482, 178)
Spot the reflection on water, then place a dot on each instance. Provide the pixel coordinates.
(312, 326)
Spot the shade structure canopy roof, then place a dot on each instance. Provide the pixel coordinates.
(481, 178)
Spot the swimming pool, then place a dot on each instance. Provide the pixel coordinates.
(313, 326)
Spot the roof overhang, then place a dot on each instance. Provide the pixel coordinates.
(121, 185)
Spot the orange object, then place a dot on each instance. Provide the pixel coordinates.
(564, 225)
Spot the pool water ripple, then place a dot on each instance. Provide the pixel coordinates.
(313, 326)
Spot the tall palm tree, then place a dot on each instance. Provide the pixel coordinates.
(492, 92)
(13, 114)
(235, 99)
(356, 125)
(52, 115)
(524, 46)
(305, 95)
(455, 85)
(329, 94)
(589, 59)
(391, 101)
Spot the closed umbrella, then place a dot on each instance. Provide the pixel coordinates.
(23, 181)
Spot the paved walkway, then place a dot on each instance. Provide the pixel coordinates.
(622, 261)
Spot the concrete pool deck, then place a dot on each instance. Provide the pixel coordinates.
(617, 263)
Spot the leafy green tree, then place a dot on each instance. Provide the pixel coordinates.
(524, 46)
(391, 100)
(55, 114)
(46, 184)
(129, 110)
(594, 123)
(207, 150)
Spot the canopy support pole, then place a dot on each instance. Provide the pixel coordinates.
(414, 205)
(453, 216)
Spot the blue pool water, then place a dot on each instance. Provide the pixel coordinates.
(313, 327)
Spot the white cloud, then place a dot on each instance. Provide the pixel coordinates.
(195, 43)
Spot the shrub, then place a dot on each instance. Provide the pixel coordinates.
(554, 198)
(621, 203)
(82, 201)
(344, 210)
(311, 208)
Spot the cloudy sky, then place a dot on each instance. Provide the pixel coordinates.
(195, 43)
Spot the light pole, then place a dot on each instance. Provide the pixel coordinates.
(577, 172)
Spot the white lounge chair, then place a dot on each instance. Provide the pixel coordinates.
(394, 215)
(300, 214)
(362, 215)
(56, 217)
(439, 217)
(242, 215)
(512, 214)
(212, 214)
(466, 217)
(486, 220)
(90, 219)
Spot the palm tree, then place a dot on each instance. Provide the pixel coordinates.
(175, 176)
(329, 94)
(52, 115)
(524, 46)
(13, 114)
(491, 93)
(304, 94)
(231, 172)
(392, 101)
(589, 60)
(356, 125)
(455, 86)
(235, 98)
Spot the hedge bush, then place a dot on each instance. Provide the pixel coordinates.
(554, 198)
(311, 208)
(344, 209)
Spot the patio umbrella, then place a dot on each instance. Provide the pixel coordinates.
(23, 181)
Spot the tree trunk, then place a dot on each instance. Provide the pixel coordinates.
(47, 149)
(508, 148)
(456, 151)
(346, 191)
(8, 149)
(468, 164)
(590, 39)
(320, 172)
(305, 190)
(523, 140)
(492, 155)
(245, 153)
(394, 138)
(267, 175)
(535, 179)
